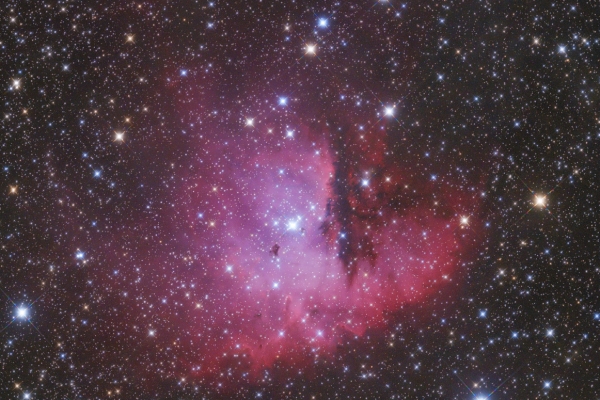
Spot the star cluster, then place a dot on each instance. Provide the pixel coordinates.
(227, 199)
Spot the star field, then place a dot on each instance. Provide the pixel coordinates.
(299, 200)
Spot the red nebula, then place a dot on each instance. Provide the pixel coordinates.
(358, 234)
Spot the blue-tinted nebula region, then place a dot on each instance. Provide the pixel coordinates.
(308, 237)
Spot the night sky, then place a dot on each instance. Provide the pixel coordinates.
(213, 199)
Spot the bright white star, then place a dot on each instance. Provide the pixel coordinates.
(22, 312)
(311, 49)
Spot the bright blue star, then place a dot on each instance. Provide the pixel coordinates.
(22, 312)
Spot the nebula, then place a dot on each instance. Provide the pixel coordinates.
(311, 235)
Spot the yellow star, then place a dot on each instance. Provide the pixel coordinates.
(311, 49)
(540, 201)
